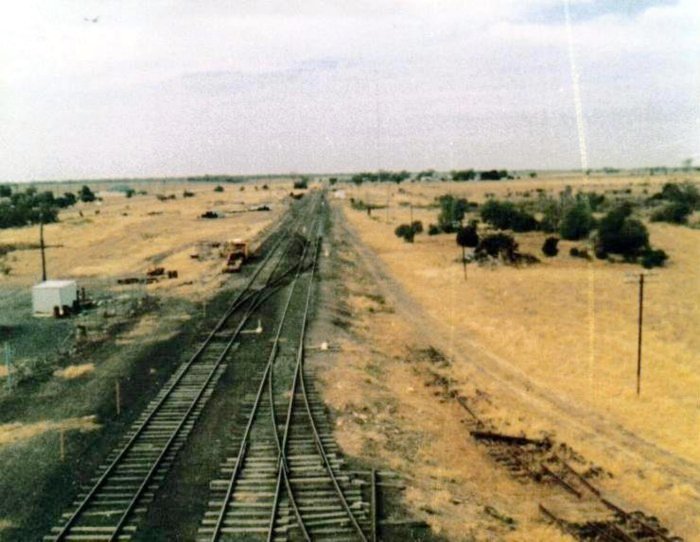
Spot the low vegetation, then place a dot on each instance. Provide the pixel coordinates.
(451, 214)
(25, 207)
(301, 184)
(408, 231)
(382, 176)
(507, 216)
(503, 247)
(550, 248)
(678, 201)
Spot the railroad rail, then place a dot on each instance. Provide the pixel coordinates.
(286, 480)
(537, 460)
(111, 507)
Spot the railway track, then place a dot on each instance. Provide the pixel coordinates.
(111, 507)
(598, 519)
(284, 478)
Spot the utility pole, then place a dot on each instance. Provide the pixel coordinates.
(639, 333)
(640, 279)
(41, 242)
(388, 195)
(8, 365)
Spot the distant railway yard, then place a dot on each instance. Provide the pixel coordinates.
(347, 359)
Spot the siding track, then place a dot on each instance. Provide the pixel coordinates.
(112, 506)
(283, 480)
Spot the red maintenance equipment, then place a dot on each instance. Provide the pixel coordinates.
(236, 254)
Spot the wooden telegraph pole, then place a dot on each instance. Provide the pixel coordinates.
(41, 242)
(8, 364)
(639, 332)
(640, 278)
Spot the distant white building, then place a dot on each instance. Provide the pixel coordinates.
(53, 293)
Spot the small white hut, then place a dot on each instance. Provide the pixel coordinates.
(53, 293)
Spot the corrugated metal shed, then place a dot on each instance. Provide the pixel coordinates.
(53, 293)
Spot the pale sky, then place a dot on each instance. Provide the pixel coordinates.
(158, 88)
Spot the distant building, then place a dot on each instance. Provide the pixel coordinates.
(53, 293)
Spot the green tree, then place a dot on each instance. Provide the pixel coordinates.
(452, 211)
(549, 248)
(86, 195)
(406, 232)
(507, 216)
(576, 222)
(618, 233)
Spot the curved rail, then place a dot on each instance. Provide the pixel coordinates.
(317, 436)
(244, 296)
(251, 420)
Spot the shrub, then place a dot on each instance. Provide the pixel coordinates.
(468, 236)
(495, 245)
(463, 175)
(301, 183)
(451, 212)
(577, 222)
(86, 195)
(30, 207)
(549, 248)
(187, 194)
(406, 232)
(5, 191)
(219, 188)
(676, 212)
(620, 234)
(654, 258)
(433, 229)
(493, 175)
(417, 226)
(579, 253)
(66, 200)
(594, 200)
(682, 193)
(506, 216)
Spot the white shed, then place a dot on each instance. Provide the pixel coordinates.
(53, 293)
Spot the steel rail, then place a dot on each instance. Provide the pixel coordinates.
(312, 422)
(240, 299)
(251, 420)
(262, 296)
(282, 465)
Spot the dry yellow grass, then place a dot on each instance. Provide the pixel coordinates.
(566, 330)
(75, 371)
(130, 235)
(11, 433)
(542, 318)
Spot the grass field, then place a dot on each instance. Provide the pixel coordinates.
(566, 326)
(125, 236)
